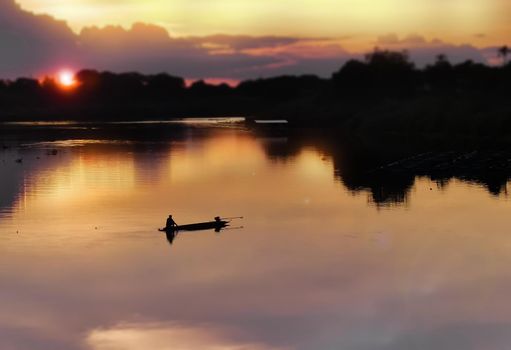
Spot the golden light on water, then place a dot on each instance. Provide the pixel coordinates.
(87, 218)
(160, 337)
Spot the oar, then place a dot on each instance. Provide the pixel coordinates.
(232, 218)
(233, 228)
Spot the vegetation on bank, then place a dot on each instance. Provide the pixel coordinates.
(385, 91)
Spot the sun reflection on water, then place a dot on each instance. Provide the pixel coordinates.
(163, 337)
(315, 265)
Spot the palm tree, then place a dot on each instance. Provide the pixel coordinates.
(503, 52)
(441, 58)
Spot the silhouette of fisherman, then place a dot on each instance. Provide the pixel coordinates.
(171, 224)
(219, 224)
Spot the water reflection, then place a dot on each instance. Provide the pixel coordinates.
(172, 234)
(167, 336)
(316, 266)
(387, 166)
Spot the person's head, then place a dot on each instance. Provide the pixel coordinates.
(217, 218)
(170, 216)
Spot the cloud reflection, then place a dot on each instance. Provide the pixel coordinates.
(314, 268)
(156, 336)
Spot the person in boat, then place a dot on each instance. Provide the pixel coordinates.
(170, 223)
(218, 224)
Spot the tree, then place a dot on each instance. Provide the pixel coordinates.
(442, 58)
(392, 72)
(353, 78)
(503, 52)
(387, 58)
(440, 76)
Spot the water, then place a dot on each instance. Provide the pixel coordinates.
(320, 263)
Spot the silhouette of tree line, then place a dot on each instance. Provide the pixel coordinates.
(387, 73)
(385, 89)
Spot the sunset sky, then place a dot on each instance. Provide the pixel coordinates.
(258, 38)
(457, 21)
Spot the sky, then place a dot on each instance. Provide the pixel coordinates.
(228, 39)
(457, 21)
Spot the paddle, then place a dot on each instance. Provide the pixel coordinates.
(233, 228)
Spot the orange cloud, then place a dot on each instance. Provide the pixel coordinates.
(39, 45)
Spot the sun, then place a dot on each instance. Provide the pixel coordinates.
(66, 79)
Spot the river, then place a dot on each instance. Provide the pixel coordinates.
(315, 263)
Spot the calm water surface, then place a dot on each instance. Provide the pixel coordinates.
(316, 266)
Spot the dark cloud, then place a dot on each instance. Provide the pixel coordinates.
(423, 51)
(36, 44)
(30, 43)
(464, 335)
(150, 49)
(33, 45)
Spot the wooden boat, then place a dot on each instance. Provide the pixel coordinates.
(216, 225)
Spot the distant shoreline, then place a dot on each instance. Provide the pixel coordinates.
(383, 93)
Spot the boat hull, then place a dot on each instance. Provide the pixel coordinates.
(216, 225)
